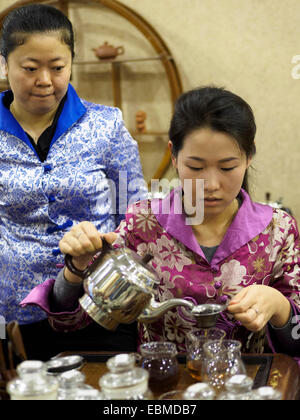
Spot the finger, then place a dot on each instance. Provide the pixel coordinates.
(90, 237)
(65, 247)
(246, 317)
(257, 324)
(80, 241)
(96, 239)
(110, 237)
(71, 245)
(83, 238)
(88, 230)
(247, 301)
(239, 296)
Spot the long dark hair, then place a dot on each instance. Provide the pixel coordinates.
(34, 18)
(218, 109)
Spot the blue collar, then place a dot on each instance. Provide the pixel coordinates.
(73, 110)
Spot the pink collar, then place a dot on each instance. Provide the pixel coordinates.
(250, 220)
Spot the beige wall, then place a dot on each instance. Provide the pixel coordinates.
(246, 46)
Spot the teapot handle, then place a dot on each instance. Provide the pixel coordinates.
(120, 49)
(84, 273)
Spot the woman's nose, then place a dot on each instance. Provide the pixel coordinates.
(43, 77)
(211, 183)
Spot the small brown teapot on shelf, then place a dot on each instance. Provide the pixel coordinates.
(107, 51)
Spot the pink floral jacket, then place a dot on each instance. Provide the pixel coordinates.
(260, 247)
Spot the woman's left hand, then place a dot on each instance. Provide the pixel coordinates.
(256, 305)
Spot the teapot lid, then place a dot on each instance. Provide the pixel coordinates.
(239, 383)
(71, 379)
(135, 268)
(124, 379)
(199, 391)
(121, 362)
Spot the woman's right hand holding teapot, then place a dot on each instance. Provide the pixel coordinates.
(83, 241)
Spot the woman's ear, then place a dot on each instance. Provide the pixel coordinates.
(249, 161)
(174, 162)
(3, 68)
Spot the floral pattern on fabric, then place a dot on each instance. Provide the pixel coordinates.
(271, 258)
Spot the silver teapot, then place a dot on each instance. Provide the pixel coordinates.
(119, 288)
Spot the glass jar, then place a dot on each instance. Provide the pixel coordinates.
(267, 393)
(159, 359)
(70, 383)
(199, 391)
(175, 394)
(89, 394)
(238, 387)
(32, 382)
(125, 381)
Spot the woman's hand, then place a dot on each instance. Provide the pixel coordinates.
(82, 242)
(256, 305)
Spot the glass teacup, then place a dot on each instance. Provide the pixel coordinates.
(222, 360)
(195, 340)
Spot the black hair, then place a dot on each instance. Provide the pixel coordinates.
(34, 18)
(218, 109)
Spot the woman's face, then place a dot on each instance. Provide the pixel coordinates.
(215, 158)
(39, 72)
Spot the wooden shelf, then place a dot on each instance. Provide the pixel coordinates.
(123, 60)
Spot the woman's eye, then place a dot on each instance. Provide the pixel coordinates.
(30, 69)
(58, 68)
(228, 169)
(194, 169)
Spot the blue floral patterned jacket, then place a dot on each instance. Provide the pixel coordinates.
(92, 172)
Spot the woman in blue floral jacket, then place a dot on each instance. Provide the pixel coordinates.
(62, 160)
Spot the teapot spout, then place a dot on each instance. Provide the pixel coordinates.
(156, 309)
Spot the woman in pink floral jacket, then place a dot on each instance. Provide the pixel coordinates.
(238, 252)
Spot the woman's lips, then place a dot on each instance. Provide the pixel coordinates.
(41, 96)
(211, 201)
